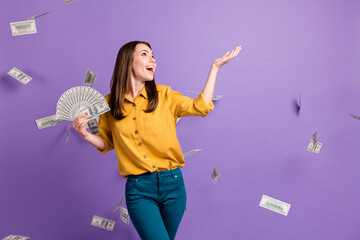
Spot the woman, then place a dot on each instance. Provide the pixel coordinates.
(141, 127)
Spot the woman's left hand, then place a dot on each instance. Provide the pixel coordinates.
(218, 63)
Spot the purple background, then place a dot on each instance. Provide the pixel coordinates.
(254, 136)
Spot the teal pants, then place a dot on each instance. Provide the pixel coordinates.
(156, 203)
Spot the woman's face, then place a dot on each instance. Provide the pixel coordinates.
(143, 65)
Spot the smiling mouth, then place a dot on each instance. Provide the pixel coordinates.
(150, 69)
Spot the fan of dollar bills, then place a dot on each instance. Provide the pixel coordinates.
(81, 100)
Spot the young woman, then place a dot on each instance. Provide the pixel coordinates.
(141, 127)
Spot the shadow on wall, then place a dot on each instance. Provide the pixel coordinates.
(8, 82)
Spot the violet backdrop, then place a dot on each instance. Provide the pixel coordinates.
(50, 189)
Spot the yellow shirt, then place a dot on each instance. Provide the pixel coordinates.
(147, 142)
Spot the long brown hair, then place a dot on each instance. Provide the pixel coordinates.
(120, 82)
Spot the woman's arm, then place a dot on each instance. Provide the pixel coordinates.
(208, 90)
(79, 124)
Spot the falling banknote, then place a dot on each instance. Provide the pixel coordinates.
(314, 148)
(214, 98)
(15, 237)
(118, 204)
(90, 78)
(124, 215)
(19, 75)
(354, 116)
(274, 205)
(47, 122)
(103, 223)
(215, 175)
(22, 28)
(68, 1)
(40, 15)
(192, 152)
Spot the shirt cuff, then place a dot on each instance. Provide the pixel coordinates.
(108, 147)
(202, 106)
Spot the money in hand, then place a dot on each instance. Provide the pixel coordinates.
(96, 109)
(46, 122)
(40, 15)
(93, 126)
(192, 152)
(22, 28)
(15, 237)
(19, 75)
(90, 78)
(103, 223)
(215, 175)
(124, 215)
(274, 205)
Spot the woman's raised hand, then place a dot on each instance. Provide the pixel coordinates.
(218, 63)
(79, 124)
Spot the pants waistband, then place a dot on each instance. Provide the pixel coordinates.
(173, 172)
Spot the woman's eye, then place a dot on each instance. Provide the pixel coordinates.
(143, 54)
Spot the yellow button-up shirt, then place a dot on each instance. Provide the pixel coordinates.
(147, 142)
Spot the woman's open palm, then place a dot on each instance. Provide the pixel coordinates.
(218, 63)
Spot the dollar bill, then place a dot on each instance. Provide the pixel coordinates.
(314, 147)
(124, 215)
(68, 133)
(214, 98)
(93, 126)
(15, 237)
(274, 205)
(118, 204)
(90, 78)
(19, 75)
(102, 223)
(22, 28)
(192, 152)
(47, 121)
(40, 15)
(299, 102)
(354, 116)
(67, 1)
(215, 175)
(177, 120)
(96, 109)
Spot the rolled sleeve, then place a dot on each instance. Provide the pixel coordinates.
(183, 106)
(105, 132)
(202, 106)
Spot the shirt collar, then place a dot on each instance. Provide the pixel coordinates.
(142, 93)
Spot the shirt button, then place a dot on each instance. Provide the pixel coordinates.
(134, 118)
(133, 104)
(139, 143)
(154, 166)
(136, 132)
(145, 156)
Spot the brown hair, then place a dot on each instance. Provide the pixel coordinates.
(120, 81)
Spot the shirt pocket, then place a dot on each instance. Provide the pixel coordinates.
(154, 126)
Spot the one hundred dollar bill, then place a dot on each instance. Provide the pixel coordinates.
(47, 121)
(15, 237)
(22, 28)
(68, 1)
(192, 152)
(96, 109)
(19, 75)
(214, 98)
(124, 215)
(103, 223)
(118, 204)
(314, 148)
(68, 133)
(93, 126)
(90, 78)
(215, 175)
(40, 15)
(274, 205)
(354, 116)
